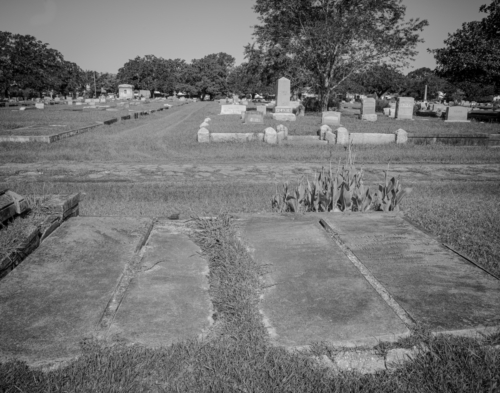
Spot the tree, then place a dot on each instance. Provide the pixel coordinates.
(28, 63)
(209, 75)
(471, 58)
(418, 79)
(380, 80)
(146, 73)
(70, 79)
(334, 39)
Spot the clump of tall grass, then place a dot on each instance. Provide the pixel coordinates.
(339, 191)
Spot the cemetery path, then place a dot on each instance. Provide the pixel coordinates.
(249, 173)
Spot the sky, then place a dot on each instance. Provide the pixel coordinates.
(102, 35)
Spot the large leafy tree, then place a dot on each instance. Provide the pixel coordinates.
(334, 39)
(265, 67)
(471, 57)
(381, 79)
(71, 78)
(28, 63)
(209, 75)
(154, 73)
(418, 79)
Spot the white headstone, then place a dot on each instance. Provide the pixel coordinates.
(232, 109)
(404, 109)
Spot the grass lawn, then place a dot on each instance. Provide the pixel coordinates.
(59, 118)
(237, 356)
(310, 124)
(171, 136)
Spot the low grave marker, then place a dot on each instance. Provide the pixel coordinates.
(457, 114)
(254, 117)
(331, 118)
(232, 109)
(262, 109)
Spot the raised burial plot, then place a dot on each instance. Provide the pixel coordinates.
(359, 278)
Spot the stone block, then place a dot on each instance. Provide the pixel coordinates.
(283, 128)
(401, 136)
(243, 114)
(392, 112)
(323, 130)
(203, 135)
(284, 117)
(342, 136)
(270, 135)
(330, 137)
(39, 105)
(280, 137)
(364, 138)
(369, 117)
(387, 111)
(20, 203)
(262, 109)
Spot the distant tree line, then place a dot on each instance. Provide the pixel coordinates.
(325, 47)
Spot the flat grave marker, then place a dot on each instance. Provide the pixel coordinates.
(434, 285)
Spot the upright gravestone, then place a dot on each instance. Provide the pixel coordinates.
(283, 111)
(283, 97)
(456, 114)
(404, 108)
(69, 101)
(368, 109)
(331, 118)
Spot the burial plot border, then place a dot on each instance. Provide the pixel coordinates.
(68, 134)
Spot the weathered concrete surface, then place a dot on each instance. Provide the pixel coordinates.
(314, 293)
(57, 296)
(435, 286)
(168, 300)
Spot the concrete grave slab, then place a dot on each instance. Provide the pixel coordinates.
(314, 293)
(168, 300)
(436, 287)
(58, 295)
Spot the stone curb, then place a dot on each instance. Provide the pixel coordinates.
(62, 208)
(68, 134)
